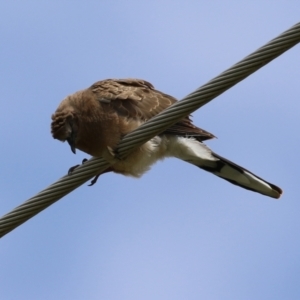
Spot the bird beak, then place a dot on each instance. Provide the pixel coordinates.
(72, 136)
(70, 140)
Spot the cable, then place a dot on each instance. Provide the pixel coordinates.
(151, 128)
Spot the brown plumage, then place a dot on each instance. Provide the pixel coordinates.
(94, 120)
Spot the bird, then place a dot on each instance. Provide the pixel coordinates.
(95, 120)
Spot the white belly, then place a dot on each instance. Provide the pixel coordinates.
(140, 161)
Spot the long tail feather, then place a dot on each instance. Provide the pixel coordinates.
(238, 175)
(198, 154)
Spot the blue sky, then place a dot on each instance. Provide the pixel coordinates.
(178, 232)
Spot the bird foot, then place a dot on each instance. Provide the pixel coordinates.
(94, 180)
(71, 170)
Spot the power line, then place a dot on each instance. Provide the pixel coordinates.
(151, 128)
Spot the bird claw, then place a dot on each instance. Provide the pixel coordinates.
(71, 170)
(94, 180)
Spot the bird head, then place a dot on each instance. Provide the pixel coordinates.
(64, 127)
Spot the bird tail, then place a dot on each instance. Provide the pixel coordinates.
(198, 154)
(238, 175)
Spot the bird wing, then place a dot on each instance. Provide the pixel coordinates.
(137, 99)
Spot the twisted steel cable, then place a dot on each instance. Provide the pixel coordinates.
(151, 128)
